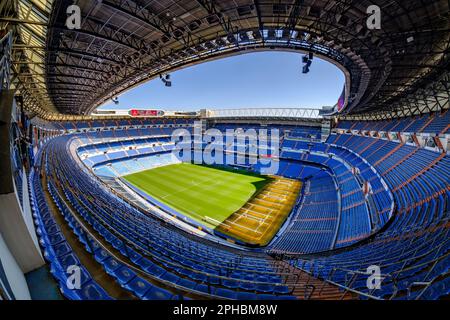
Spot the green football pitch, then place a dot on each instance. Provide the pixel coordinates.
(199, 191)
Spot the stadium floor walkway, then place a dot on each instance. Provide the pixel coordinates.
(308, 287)
(42, 286)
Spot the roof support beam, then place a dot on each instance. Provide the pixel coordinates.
(210, 7)
(23, 21)
(144, 16)
(258, 13)
(294, 16)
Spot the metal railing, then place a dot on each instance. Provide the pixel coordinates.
(5, 61)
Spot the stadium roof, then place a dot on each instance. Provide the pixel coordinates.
(122, 43)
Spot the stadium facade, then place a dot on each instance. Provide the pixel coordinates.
(106, 206)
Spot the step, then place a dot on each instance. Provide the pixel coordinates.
(308, 287)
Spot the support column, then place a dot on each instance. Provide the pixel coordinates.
(21, 252)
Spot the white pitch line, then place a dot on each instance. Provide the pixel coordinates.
(194, 185)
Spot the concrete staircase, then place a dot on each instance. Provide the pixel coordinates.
(308, 287)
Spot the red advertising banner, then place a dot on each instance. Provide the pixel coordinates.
(146, 113)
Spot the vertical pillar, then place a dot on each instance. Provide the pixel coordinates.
(21, 252)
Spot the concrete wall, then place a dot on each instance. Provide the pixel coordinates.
(17, 235)
(19, 251)
(14, 274)
(27, 213)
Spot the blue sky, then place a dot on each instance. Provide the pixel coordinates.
(254, 80)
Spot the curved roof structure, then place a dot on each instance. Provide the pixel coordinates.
(122, 43)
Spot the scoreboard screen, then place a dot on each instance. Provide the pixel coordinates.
(341, 101)
(146, 113)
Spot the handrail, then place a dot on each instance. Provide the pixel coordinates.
(345, 288)
(354, 273)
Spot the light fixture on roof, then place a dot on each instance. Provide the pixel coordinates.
(410, 39)
(168, 15)
(165, 78)
(305, 69)
(307, 62)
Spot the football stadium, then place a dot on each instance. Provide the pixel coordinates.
(343, 202)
